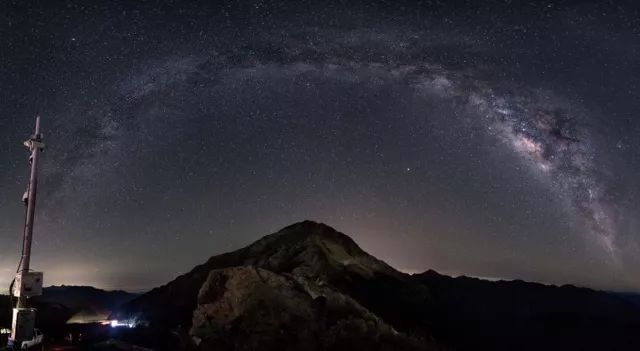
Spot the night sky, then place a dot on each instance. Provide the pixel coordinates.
(498, 139)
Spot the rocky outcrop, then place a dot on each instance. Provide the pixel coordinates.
(249, 308)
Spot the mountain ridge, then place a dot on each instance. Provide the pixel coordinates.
(420, 311)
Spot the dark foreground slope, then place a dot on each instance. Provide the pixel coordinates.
(311, 285)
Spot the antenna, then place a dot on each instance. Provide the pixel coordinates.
(27, 283)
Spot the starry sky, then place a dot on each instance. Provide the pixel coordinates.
(497, 139)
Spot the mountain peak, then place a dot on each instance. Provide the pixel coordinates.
(307, 223)
(313, 249)
(307, 249)
(312, 228)
(308, 231)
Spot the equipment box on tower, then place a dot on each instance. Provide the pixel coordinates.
(28, 284)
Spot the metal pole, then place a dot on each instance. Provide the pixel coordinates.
(34, 144)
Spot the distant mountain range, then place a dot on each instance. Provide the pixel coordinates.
(309, 287)
(85, 297)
